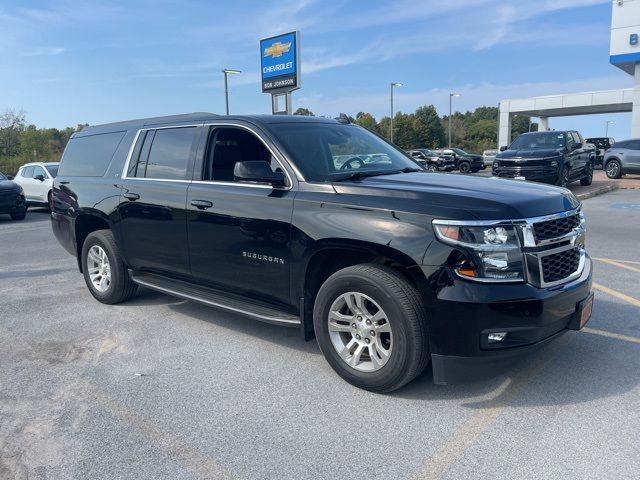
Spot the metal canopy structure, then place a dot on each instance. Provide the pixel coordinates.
(585, 103)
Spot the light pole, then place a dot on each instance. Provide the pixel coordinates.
(226, 72)
(451, 95)
(606, 128)
(393, 84)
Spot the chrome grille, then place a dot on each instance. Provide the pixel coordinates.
(555, 228)
(561, 265)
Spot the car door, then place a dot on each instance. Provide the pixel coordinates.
(152, 209)
(40, 187)
(572, 157)
(632, 156)
(239, 233)
(26, 181)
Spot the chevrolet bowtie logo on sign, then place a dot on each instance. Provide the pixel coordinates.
(277, 49)
(279, 62)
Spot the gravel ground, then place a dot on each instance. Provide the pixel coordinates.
(163, 388)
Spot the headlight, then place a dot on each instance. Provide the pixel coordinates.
(496, 164)
(493, 251)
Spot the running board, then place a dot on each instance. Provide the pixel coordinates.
(215, 298)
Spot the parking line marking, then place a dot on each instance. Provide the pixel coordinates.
(437, 465)
(617, 336)
(614, 293)
(616, 260)
(617, 263)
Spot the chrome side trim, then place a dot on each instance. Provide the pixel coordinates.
(511, 221)
(264, 318)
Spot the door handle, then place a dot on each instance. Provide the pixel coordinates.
(201, 204)
(131, 196)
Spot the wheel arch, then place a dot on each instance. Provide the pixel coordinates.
(331, 255)
(84, 224)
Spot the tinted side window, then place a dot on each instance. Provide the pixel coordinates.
(89, 156)
(170, 153)
(633, 145)
(620, 145)
(27, 172)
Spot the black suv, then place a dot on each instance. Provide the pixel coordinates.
(431, 161)
(465, 162)
(389, 266)
(12, 199)
(555, 157)
(602, 144)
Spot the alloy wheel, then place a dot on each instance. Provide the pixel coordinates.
(613, 169)
(98, 268)
(360, 332)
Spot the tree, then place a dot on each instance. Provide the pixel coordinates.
(35, 143)
(405, 134)
(428, 127)
(383, 127)
(367, 121)
(12, 124)
(520, 124)
(303, 111)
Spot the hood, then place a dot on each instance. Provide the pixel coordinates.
(460, 197)
(9, 185)
(538, 153)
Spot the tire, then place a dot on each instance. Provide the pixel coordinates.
(404, 332)
(432, 167)
(563, 177)
(19, 216)
(120, 287)
(613, 168)
(588, 178)
(49, 200)
(464, 167)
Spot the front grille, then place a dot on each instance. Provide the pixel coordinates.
(6, 193)
(560, 265)
(555, 228)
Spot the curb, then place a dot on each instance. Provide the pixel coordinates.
(598, 191)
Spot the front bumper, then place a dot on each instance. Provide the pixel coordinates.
(463, 312)
(536, 174)
(11, 204)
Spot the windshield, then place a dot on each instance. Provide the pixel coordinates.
(52, 169)
(427, 152)
(327, 152)
(539, 141)
(459, 151)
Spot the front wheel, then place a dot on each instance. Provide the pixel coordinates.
(464, 167)
(104, 271)
(371, 327)
(432, 168)
(563, 177)
(588, 178)
(19, 215)
(613, 169)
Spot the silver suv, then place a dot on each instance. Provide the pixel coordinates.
(622, 158)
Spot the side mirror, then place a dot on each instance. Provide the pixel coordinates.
(503, 148)
(258, 171)
(9, 177)
(39, 177)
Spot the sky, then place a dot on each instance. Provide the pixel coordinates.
(67, 61)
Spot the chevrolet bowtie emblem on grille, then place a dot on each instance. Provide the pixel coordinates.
(277, 49)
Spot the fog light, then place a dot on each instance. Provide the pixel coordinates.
(496, 337)
(554, 163)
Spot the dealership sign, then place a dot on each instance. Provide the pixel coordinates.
(279, 62)
(625, 30)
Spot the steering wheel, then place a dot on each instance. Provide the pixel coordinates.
(347, 165)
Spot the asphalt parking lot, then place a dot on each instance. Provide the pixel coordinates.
(163, 388)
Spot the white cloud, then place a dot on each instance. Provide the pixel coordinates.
(44, 51)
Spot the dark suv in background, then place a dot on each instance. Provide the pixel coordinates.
(556, 157)
(465, 162)
(431, 161)
(622, 158)
(602, 144)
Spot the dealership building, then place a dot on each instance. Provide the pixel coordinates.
(624, 54)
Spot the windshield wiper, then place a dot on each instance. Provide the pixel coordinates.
(356, 175)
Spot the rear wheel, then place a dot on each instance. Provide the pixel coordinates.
(104, 271)
(613, 169)
(432, 167)
(588, 178)
(464, 167)
(371, 327)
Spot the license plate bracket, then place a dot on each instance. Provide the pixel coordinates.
(583, 313)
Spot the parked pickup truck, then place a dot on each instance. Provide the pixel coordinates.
(389, 266)
(555, 157)
(432, 161)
